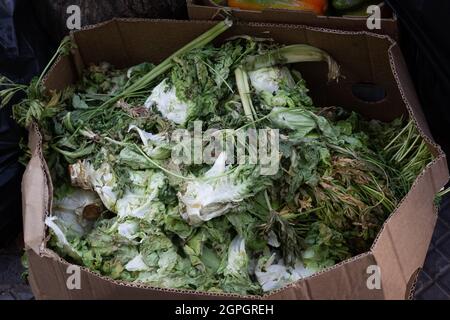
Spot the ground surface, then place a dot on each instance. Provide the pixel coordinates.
(433, 282)
(12, 285)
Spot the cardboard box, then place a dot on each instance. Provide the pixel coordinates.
(401, 246)
(208, 10)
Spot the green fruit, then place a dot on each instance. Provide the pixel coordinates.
(347, 4)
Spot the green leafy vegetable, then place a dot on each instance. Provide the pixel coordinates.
(129, 211)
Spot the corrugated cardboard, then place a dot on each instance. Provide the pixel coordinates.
(402, 244)
(208, 10)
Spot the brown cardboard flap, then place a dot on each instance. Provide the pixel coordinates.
(411, 287)
(66, 74)
(35, 288)
(407, 90)
(34, 203)
(126, 42)
(107, 38)
(403, 243)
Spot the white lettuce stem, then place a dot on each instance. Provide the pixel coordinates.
(292, 54)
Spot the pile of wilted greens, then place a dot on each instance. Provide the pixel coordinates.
(128, 211)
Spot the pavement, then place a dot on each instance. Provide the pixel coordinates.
(13, 286)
